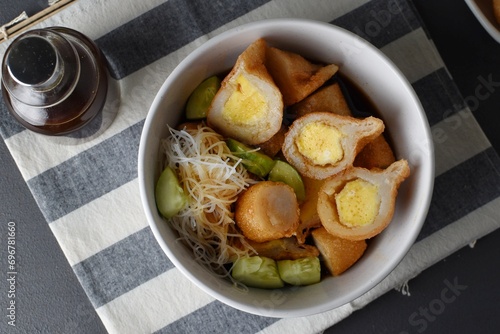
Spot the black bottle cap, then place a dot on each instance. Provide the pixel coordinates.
(32, 61)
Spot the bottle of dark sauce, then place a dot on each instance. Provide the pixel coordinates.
(54, 80)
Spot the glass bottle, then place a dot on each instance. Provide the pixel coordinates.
(54, 80)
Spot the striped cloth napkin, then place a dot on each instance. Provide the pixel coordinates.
(87, 187)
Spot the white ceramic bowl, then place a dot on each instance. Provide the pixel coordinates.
(378, 78)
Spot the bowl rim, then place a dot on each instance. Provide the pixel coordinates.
(277, 312)
(485, 19)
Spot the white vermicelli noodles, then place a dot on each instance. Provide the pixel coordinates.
(212, 178)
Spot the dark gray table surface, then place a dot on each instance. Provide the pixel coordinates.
(49, 298)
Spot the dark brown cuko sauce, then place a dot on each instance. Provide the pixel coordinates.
(360, 103)
(75, 110)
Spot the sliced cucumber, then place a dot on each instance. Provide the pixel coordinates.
(257, 272)
(254, 161)
(284, 172)
(170, 197)
(200, 99)
(303, 271)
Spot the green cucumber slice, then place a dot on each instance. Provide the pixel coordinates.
(254, 161)
(257, 272)
(169, 195)
(286, 173)
(200, 99)
(304, 271)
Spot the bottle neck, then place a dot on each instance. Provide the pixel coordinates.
(40, 69)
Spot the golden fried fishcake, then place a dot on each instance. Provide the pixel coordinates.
(309, 217)
(329, 98)
(322, 144)
(376, 154)
(266, 211)
(359, 203)
(249, 106)
(273, 145)
(284, 249)
(338, 254)
(296, 76)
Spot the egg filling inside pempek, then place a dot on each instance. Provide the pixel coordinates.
(358, 203)
(245, 105)
(320, 143)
